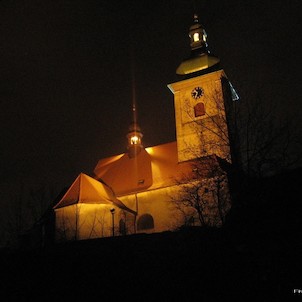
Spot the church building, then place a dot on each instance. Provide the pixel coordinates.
(168, 186)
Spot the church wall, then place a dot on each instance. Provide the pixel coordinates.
(88, 221)
(157, 204)
(66, 224)
(162, 204)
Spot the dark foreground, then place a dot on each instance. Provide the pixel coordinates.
(209, 265)
(256, 256)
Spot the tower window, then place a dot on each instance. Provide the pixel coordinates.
(199, 109)
(196, 37)
(134, 140)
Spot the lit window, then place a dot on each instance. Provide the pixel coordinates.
(196, 37)
(134, 140)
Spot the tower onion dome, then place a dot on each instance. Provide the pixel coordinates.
(200, 57)
(134, 137)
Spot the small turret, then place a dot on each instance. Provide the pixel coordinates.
(134, 137)
(198, 38)
(200, 58)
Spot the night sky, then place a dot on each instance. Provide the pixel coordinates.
(66, 73)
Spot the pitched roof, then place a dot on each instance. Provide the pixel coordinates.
(86, 189)
(154, 167)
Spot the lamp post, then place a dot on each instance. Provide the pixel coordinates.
(112, 213)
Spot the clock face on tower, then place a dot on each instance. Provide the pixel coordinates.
(197, 92)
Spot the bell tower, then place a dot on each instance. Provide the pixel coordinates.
(199, 102)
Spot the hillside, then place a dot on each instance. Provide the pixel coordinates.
(256, 256)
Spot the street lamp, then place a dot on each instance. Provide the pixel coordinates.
(112, 212)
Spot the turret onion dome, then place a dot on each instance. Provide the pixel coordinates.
(200, 57)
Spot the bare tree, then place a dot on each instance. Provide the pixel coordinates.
(26, 214)
(17, 216)
(252, 133)
(268, 140)
(249, 134)
(203, 197)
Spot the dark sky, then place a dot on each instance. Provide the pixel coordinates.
(66, 79)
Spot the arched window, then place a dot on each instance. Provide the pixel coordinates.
(199, 109)
(145, 222)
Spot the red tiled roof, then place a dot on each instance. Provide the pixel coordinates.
(152, 168)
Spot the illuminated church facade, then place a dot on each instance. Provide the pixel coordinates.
(168, 186)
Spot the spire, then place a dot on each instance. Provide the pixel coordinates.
(134, 135)
(200, 58)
